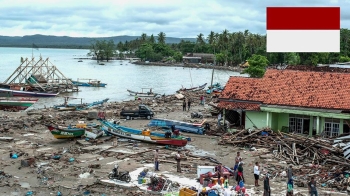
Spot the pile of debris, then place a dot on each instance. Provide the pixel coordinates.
(292, 148)
(310, 156)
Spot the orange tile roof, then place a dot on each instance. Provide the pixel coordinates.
(293, 88)
(238, 105)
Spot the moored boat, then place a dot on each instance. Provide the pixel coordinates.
(143, 94)
(65, 132)
(18, 93)
(16, 103)
(145, 135)
(89, 83)
(201, 87)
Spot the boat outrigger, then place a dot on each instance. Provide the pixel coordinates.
(145, 135)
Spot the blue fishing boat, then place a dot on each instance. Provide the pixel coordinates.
(89, 83)
(179, 125)
(80, 106)
(145, 135)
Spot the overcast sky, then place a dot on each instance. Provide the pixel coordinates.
(177, 18)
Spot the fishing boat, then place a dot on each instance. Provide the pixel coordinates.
(201, 87)
(145, 135)
(143, 93)
(89, 83)
(79, 106)
(60, 132)
(16, 103)
(19, 93)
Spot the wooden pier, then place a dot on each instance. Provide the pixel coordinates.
(39, 75)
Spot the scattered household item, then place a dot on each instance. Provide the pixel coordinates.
(204, 170)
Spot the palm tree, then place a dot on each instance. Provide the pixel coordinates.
(161, 38)
(200, 39)
(143, 37)
(151, 39)
(211, 38)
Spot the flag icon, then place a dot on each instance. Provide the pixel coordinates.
(303, 29)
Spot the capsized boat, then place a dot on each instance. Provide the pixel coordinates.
(145, 135)
(18, 93)
(60, 132)
(16, 103)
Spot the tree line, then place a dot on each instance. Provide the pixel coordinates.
(229, 49)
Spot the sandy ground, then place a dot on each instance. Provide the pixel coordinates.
(64, 176)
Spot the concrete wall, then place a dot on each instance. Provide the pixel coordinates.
(258, 118)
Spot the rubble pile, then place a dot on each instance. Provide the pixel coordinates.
(310, 156)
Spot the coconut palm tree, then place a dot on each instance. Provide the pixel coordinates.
(143, 37)
(161, 38)
(151, 39)
(200, 39)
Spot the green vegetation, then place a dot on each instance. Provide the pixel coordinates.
(230, 49)
(257, 66)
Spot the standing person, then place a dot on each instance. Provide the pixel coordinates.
(256, 173)
(312, 187)
(188, 104)
(237, 160)
(290, 187)
(201, 99)
(218, 170)
(289, 173)
(240, 176)
(184, 105)
(156, 162)
(219, 119)
(178, 159)
(267, 190)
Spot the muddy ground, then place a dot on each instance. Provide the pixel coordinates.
(79, 176)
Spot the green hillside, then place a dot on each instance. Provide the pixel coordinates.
(49, 41)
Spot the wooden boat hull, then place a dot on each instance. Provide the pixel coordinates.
(123, 132)
(89, 84)
(139, 94)
(66, 133)
(17, 93)
(201, 87)
(16, 103)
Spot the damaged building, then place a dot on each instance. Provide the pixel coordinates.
(303, 102)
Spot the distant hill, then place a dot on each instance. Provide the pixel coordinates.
(49, 41)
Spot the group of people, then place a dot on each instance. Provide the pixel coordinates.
(239, 177)
(238, 171)
(177, 158)
(187, 103)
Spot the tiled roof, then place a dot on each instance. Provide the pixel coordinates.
(238, 105)
(293, 88)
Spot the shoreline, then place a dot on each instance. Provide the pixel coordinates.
(236, 69)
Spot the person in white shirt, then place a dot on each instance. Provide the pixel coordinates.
(178, 159)
(256, 173)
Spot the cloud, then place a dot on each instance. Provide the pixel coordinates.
(87, 18)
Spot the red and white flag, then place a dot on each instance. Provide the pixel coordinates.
(303, 29)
